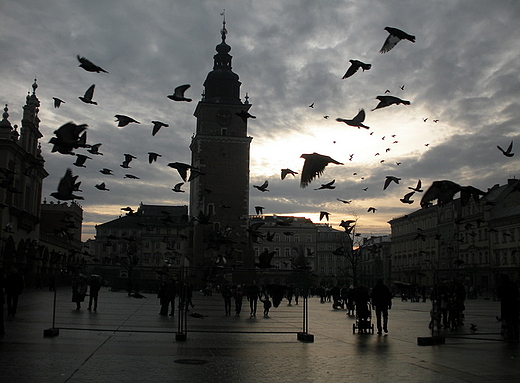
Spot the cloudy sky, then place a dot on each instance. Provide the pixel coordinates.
(463, 70)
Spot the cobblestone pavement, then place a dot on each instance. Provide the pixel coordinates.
(126, 340)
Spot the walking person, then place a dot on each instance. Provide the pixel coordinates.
(252, 296)
(95, 286)
(382, 302)
(14, 285)
(167, 293)
(238, 295)
(509, 297)
(267, 304)
(79, 290)
(227, 295)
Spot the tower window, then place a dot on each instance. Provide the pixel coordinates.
(223, 132)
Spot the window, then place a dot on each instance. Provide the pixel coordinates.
(287, 251)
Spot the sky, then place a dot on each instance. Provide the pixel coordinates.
(463, 71)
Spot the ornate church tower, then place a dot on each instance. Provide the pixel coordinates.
(220, 151)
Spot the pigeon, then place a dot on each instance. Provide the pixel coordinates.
(178, 94)
(354, 67)
(389, 179)
(329, 185)
(244, 115)
(197, 315)
(80, 160)
(253, 231)
(66, 187)
(259, 210)
(153, 157)
(324, 214)
(406, 198)
(356, 121)
(102, 186)
(263, 187)
(94, 149)
(264, 259)
(177, 188)
(106, 171)
(444, 191)
(507, 152)
(87, 97)
(181, 168)
(89, 66)
(389, 100)
(285, 172)
(311, 105)
(314, 166)
(126, 162)
(344, 201)
(68, 137)
(371, 209)
(58, 102)
(395, 35)
(157, 125)
(417, 188)
(123, 120)
(131, 176)
(194, 173)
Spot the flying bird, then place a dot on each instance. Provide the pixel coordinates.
(106, 171)
(102, 186)
(68, 137)
(417, 188)
(311, 105)
(324, 214)
(395, 35)
(507, 152)
(157, 125)
(264, 259)
(58, 102)
(244, 115)
(94, 149)
(371, 209)
(123, 120)
(89, 66)
(406, 198)
(385, 101)
(285, 172)
(66, 187)
(182, 169)
(80, 160)
(314, 166)
(177, 188)
(444, 191)
(390, 179)
(263, 187)
(178, 94)
(356, 121)
(344, 201)
(126, 162)
(152, 156)
(131, 176)
(354, 67)
(329, 185)
(87, 97)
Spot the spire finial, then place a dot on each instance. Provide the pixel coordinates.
(223, 31)
(5, 115)
(34, 86)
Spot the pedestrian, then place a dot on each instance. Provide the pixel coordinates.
(167, 293)
(79, 290)
(267, 305)
(238, 295)
(252, 296)
(351, 296)
(361, 299)
(95, 285)
(227, 295)
(508, 294)
(2, 302)
(14, 285)
(382, 302)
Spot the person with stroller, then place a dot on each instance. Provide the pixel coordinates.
(382, 302)
(361, 300)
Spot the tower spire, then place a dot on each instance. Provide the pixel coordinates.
(223, 31)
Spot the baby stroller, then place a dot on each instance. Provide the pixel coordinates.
(363, 322)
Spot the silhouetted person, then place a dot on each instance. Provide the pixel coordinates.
(2, 302)
(267, 305)
(361, 298)
(227, 294)
(382, 302)
(14, 285)
(238, 295)
(95, 286)
(79, 290)
(253, 292)
(351, 303)
(508, 294)
(167, 293)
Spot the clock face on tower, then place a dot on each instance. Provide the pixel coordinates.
(223, 117)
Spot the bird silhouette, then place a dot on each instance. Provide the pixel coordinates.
(157, 125)
(324, 214)
(87, 97)
(285, 172)
(395, 35)
(264, 259)
(102, 187)
(406, 198)
(328, 185)
(126, 162)
(344, 201)
(182, 169)
(314, 166)
(94, 149)
(244, 115)
(58, 102)
(123, 120)
(417, 188)
(507, 152)
(259, 210)
(106, 171)
(178, 93)
(263, 187)
(354, 67)
(131, 176)
(80, 160)
(311, 105)
(68, 137)
(356, 121)
(371, 209)
(402, 87)
(385, 101)
(152, 156)
(89, 66)
(66, 187)
(177, 188)
(444, 191)
(254, 233)
(390, 179)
